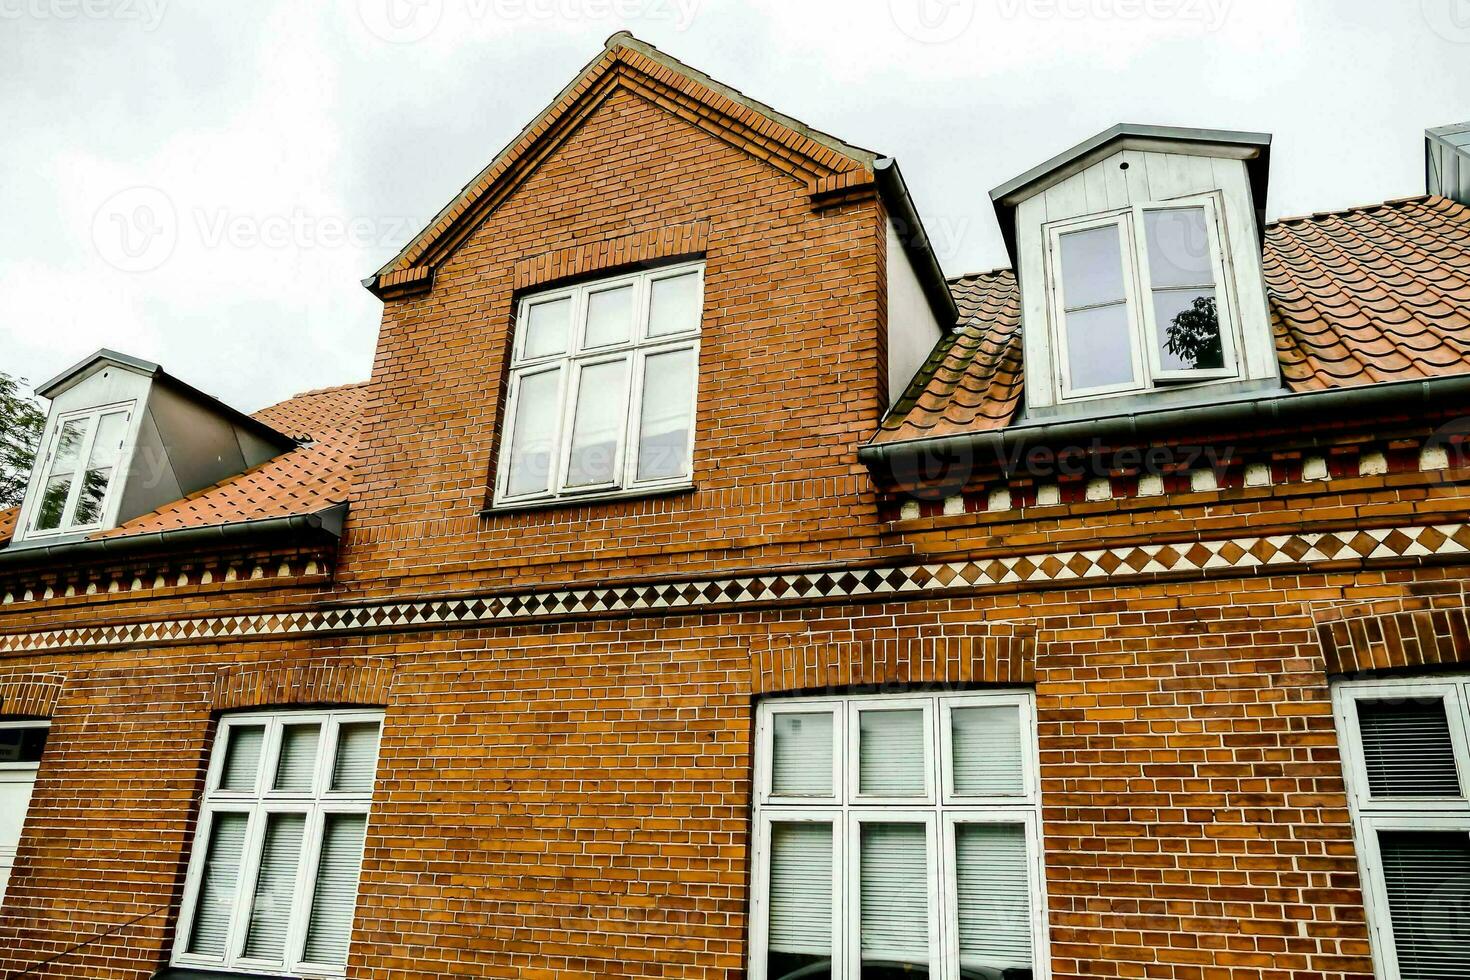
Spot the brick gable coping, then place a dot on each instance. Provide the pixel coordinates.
(828, 167)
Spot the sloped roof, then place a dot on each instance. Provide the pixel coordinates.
(1369, 294)
(303, 481)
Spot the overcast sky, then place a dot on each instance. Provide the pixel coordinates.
(205, 184)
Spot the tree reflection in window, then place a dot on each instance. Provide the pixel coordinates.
(1193, 336)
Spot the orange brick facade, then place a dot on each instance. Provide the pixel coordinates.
(568, 794)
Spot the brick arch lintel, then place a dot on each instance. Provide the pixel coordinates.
(1426, 630)
(30, 695)
(364, 682)
(1001, 653)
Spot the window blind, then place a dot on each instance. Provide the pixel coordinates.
(356, 757)
(801, 754)
(296, 765)
(986, 749)
(335, 895)
(1407, 749)
(275, 886)
(801, 888)
(1426, 876)
(242, 758)
(216, 903)
(993, 903)
(891, 757)
(893, 893)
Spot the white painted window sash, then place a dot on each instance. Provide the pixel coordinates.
(1148, 371)
(1370, 816)
(846, 811)
(636, 349)
(93, 419)
(259, 803)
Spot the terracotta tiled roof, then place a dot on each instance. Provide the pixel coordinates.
(7, 522)
(303, 481)
(1377, 293)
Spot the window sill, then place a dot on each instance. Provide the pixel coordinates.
(579, 500)
(200, 973)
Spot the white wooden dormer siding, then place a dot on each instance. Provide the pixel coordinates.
(1135, 173)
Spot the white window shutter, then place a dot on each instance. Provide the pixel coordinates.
(275, 886)
(1407, 748)
(891, 755)
(993, 904)
(801, 889)
(356, 758)
(801, 754)
(219, 885)
(1425, 875)
(893, 895)
(986, 749)
(335, 897)
(296, 764)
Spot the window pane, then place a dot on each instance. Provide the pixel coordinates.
(894, 900)
(22, 744)
(801, 754)
(1092, 267)
(800, 934)
(296, 766)
(534, 432)
(891, 758)
(1189, 330)
(993, 897)
(216, 903)
(609, 317)
(335, 897)
(602, 411)
(357, 757)
(1099, 347)
(275, 886)
(69, 446)
(1427, 878)
(986, 751)
(667, 416)
(53, 503)
(101, 463)
(546, 328)
(674, 305)
(1178, 248)
(242, 758)
(1407, 748)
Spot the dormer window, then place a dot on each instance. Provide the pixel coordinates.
(81, 465)
(1137, 298)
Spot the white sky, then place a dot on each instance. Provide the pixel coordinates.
(204, 184)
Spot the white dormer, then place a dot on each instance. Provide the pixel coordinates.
(1139, 258)
(122, 438)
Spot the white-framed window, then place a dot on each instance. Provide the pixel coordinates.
(272, 881)
(602, 389)
(897, 836)
(21, 745)
(1407, 764)
(80, 464)
(1140, 298)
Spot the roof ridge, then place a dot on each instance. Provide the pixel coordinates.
(1392, 202)
(977, 275)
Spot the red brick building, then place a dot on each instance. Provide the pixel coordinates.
(702, 586)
